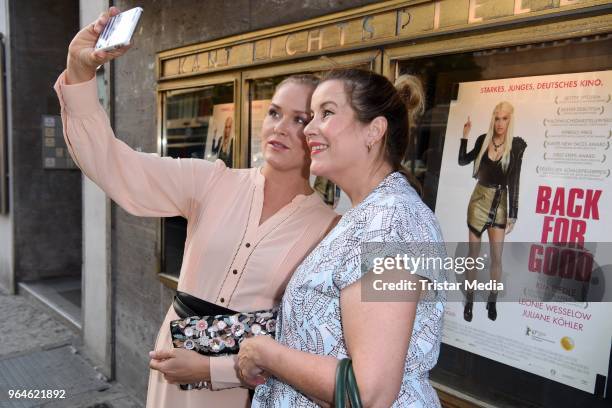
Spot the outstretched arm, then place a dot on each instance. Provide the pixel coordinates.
(143, 184)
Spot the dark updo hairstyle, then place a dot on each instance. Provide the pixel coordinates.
(372, 95)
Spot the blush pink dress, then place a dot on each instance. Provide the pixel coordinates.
(229, 258)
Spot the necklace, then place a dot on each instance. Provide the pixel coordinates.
(496, 146)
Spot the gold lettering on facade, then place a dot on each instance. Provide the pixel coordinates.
(436, 24)
(342, 28)
(518, 7)
(288, 48)
(212, 59)
(278, 47)
(261, 50)
(315, 38)
(196, 63)
(382, 27)
(368, 30)
(228, 52)
(403, 19)
(182, 61)
(473, 6)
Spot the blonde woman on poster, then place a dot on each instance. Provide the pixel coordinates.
(223, 147)
(493, 206)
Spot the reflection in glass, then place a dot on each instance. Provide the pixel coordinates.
(199, 124)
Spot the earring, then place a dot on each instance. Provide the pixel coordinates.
(369, 147)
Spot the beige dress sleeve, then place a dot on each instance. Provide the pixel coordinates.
(143, 184)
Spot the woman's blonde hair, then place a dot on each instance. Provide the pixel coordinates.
(505, 159)
(310, 80)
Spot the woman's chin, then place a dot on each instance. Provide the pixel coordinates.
(282, 163)
(318, 169)
(271, 157)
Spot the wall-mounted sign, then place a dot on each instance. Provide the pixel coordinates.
(368, 26)
(54, 151)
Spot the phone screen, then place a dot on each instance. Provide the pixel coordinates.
(119, 30)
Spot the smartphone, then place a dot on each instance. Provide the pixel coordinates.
(119, 29)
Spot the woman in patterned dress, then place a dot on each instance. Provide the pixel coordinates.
(358, 138)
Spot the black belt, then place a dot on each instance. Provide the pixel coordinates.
(186, 305)
(491, 185)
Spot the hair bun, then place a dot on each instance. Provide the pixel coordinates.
(410, 89)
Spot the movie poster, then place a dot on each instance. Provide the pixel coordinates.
(220, 137)
(554, 318)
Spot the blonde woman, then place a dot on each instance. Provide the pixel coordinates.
(224, 146)
(493, 207)
(247, 228)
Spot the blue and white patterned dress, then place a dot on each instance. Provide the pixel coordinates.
(310, 318)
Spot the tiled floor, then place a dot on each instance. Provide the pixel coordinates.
(39, 351)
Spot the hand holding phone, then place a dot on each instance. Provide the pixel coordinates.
(84, 58)
(119, 30)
